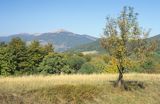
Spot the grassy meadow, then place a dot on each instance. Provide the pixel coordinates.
(78, 89)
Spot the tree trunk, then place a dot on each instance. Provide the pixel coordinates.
(120, 82)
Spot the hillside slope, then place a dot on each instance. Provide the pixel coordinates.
(95, 46)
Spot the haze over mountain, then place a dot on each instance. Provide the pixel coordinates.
(61, 39)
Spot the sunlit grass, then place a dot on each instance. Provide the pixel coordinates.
(77, 89)
(39, 81)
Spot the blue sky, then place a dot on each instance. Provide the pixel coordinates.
(79, 16)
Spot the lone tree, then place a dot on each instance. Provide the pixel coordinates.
(125, 41)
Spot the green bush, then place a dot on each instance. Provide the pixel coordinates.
(87, 68)
(66, 69)
(53, 63)
(75, 62)
(98, 63)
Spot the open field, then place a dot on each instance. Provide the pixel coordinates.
(78, 89)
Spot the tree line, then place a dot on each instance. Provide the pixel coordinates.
(19, 58)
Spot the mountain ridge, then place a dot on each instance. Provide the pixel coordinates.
(62, 40)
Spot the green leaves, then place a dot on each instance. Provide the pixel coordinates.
(75, 62)
(124, 39)
(18, 58)
(54, 63)
(88, 68)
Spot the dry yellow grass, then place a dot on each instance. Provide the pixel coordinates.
(77, 89)
(40, 81)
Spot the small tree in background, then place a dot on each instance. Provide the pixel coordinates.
(16, 55)
(36, 53)
(125, 40)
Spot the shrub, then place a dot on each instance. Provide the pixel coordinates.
(75, 62)
(88, 68)
(66, 69)
(52, 63)
(98, 63)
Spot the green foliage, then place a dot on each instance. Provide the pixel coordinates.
(18, 58)
(54, 63)
(147, 64)
(88, 68)
(7, 66)
(36, 53)
(66, 69)
(48, 48)
(98, 63)
(14, 58)
(75, 62)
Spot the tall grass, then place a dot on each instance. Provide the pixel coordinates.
(40, 81)
(77, 89)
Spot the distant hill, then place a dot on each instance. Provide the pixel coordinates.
(157, 38)
(61, 39)
(95, 46)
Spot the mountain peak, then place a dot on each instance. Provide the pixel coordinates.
(23, 33)
(60, 30)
